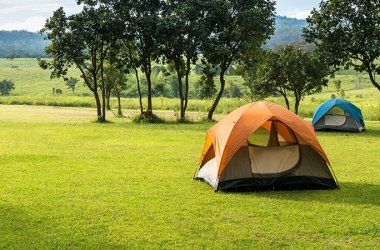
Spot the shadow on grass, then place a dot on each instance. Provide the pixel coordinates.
(371, 133)
(20, 230)
(349, 193)
(366, 133)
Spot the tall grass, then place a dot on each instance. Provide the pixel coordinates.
(369, 106)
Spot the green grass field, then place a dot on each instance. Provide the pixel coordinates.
(69, 183)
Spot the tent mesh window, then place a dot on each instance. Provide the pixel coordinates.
(336, 111)
(272, 133)
(273, 149)
(336, 116)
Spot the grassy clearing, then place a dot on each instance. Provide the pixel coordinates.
(78, 184)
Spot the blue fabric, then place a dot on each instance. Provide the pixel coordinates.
(343, 104)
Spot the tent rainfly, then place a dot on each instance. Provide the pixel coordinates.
(339, 115)
(263, 146)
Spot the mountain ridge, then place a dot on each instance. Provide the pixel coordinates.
(25, 44)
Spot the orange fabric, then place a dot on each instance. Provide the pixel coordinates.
(228, 135)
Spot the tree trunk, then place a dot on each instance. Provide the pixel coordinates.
(372, 78)
(116, 88)
(188, 69)
(103, 119)
(220, 94)
(296, 105)
(98, 105)
(180, 90)
(287, 102)
(139, 90)
(148, 69)
(119, 112)
(108, 97)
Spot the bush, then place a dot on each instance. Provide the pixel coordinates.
(6, 86)
(144, 118)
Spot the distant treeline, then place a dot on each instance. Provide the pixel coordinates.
(24, 44)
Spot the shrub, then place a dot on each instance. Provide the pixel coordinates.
(142, 119)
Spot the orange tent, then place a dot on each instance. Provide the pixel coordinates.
(288, 148)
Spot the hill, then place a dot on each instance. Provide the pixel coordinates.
(287, 30)
(24, 44)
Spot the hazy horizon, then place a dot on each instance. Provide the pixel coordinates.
(16, 15)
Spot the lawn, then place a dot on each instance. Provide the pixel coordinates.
(69, 183)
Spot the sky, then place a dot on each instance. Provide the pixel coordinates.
(31, 15)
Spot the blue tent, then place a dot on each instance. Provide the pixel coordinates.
(338, 114)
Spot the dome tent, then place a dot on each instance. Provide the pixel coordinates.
(263, 146)
(338, 114)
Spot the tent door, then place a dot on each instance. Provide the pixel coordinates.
(273, 160)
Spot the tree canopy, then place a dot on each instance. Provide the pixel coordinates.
(6, 86)
(178, 33)
(237, 25)
(289, 72)
(81, 40)
(347, 33)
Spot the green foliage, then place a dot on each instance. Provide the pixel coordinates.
(236, 26)
(337, 84)
(346, 33)
(147, 118)
(289, 72)
(57, 91)
(6, 86)
(205, 87)
(232, 90)
(71, 83)
(82, 40)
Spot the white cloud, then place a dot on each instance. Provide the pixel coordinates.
(299, 14)
(30, 8)
(31, 16)
(32, 24)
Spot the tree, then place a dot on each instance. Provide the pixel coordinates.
(205, 87)
(346, 31)
(115, 77)
(180, 31)
(266, 77)
(6, 86)
(81, 40)
(288, 72)
(236, 25)
(139, 20)
(338, 85)
(71, 83)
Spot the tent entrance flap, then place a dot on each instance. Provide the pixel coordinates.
(336, 116)
(273, 160)
(335, 120)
